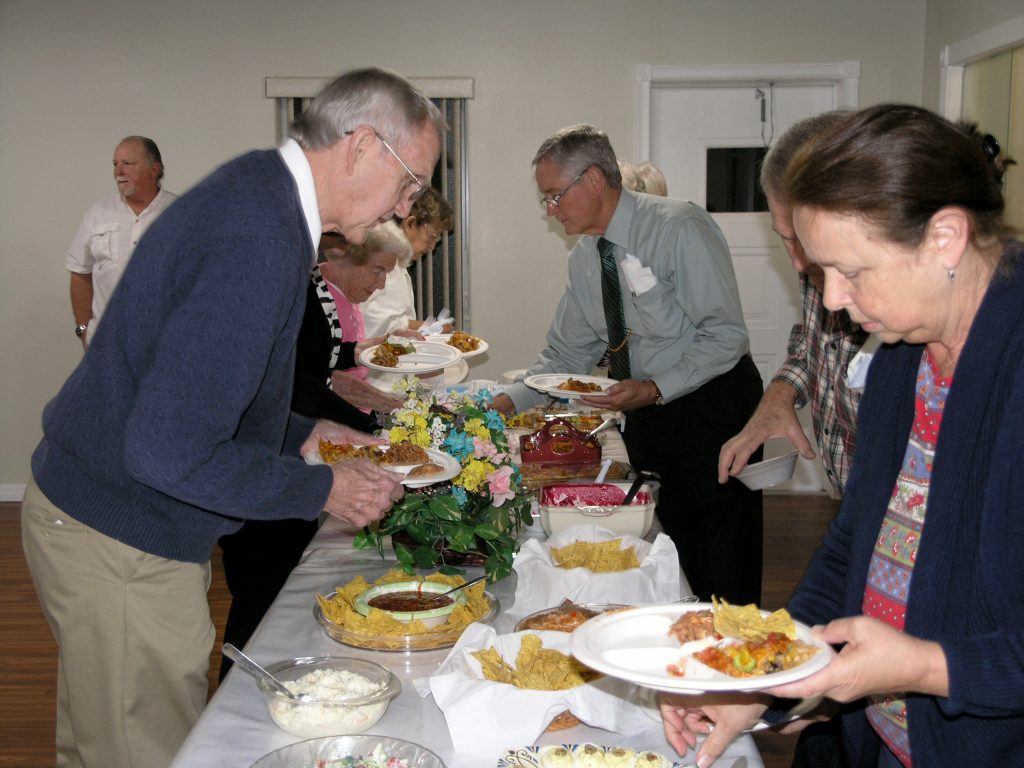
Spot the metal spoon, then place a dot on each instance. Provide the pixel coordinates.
(260, 673)
(609, 422)
(469, 583)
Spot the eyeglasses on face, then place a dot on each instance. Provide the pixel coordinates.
(555, 200)
(408, 189)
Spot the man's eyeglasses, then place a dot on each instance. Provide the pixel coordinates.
(413, 178)
(556, 199)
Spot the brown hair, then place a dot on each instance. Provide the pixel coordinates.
(896, 165)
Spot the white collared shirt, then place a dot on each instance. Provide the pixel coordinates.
(105, 241)
(298, 166)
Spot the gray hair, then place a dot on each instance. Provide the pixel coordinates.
(387, 238)
(151, 150)
(785, 147)
(381, 99)
(645, 177)
(576, 148)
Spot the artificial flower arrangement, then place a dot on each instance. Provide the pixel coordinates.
(479, 512)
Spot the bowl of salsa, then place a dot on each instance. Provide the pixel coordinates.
(410, 601)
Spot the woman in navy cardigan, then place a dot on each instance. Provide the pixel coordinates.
(919, 582)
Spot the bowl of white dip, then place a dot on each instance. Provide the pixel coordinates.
(346, 695)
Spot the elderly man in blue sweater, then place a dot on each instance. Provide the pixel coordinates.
(175, 428)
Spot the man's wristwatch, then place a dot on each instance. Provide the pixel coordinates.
(658, 399)
(80, 329)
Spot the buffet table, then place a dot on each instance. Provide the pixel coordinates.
(235, 729)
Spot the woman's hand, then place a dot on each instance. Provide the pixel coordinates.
(721, 717)
(876, 658)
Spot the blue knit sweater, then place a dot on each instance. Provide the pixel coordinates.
(967, 589)
(176, 424)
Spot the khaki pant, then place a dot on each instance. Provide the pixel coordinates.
(135, 635)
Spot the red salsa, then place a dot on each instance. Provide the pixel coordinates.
(408, 601)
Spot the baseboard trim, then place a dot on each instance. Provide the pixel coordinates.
(12, 492)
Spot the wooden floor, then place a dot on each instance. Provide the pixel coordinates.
(28, 656)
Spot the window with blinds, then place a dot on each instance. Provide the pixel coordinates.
(440, 279)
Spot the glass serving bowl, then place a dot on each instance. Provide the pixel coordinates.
(331, 712)
(312, 752)
(402, 643)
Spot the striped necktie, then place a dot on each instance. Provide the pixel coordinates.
(618, 336)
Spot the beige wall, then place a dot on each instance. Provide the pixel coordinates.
(76, 76)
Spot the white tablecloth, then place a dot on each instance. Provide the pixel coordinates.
(235, 729)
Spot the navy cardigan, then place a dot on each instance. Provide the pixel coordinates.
(176, 424)
(967, 588)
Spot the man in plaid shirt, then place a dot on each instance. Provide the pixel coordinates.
(820, 348)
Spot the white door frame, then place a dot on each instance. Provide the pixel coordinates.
(843, 75)
(956, 56)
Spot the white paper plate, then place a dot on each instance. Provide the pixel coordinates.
(442, 338)
(450, 464)
(549, 383)
(634, 645)
(429, 356)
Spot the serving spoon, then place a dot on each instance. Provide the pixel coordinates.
(260, 673)
(469, 583)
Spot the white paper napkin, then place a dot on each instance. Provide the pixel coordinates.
(485, 717)
(542, 584)
(639, 278)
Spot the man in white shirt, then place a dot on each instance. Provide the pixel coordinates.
(111, 229)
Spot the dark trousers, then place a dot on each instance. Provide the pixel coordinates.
(258, 559)
(717, 529)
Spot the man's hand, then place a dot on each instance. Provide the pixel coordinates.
(362, 394)
(362, 492)
(624, 395)
(333, 432)
(503, 404)
(775, 417)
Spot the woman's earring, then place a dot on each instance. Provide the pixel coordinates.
(951, 274)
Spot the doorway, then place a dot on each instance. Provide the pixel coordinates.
(705, 128)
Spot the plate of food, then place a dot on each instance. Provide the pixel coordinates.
(399, 355)
(584, 756)
(468, 344)
(568, 386)
(419, 467)
(699, 647)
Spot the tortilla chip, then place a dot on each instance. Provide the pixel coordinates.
(598, 556)
(537, 668)
(747, 623)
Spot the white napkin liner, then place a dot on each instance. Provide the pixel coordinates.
(485, 717)
(542, 584)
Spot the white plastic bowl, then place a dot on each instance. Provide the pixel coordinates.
(634, 520)
(432, 618)
(764, 474)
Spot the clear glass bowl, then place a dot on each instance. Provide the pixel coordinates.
(308, 753)
(403, 643)
(329, 716)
